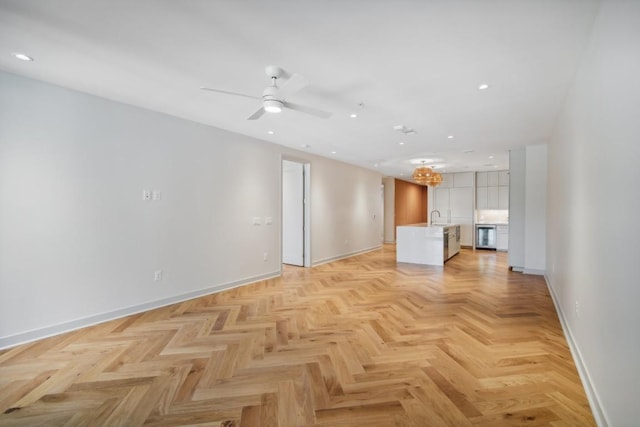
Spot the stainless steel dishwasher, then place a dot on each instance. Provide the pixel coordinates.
(445, 243)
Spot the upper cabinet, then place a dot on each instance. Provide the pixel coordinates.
(462, 179)
(492, 190)
(454, 201)
(447, 180)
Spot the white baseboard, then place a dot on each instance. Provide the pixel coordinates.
(343, 256)
(534, 271)
(72, 325)
(592, 395)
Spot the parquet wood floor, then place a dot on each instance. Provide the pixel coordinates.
(357, 342)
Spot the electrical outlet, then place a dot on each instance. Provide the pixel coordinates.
(146, 195)
(265, 256)
(577, 308)
(157, 275)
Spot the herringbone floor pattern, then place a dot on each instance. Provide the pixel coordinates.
(360, 342)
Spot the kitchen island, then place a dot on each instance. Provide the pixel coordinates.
(427, 244)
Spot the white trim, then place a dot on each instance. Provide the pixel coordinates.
(534, 271)
(72, 325)
(343, 256)
(592, 395)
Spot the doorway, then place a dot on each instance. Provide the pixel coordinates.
(295, 213)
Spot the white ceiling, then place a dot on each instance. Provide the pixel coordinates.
(416, 63)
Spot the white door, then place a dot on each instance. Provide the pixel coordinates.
(292, 213)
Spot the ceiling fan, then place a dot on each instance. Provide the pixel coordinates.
(274, 97)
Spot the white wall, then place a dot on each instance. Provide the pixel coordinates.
(79, 245)
(517, 205)
(593, 204)
(527, 209)
(389, 210)
(345, 210)
(535, 194)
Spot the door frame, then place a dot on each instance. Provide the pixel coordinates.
(306, 197)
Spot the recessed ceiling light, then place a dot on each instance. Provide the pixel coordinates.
(401, 143)
(22, 56)
(333, 152)
(450, 137)
(491, 157)
(483, 86)
(270, 132)
(353, 115)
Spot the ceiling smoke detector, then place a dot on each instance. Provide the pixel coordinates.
(405, 130)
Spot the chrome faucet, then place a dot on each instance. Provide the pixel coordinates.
(432, 212)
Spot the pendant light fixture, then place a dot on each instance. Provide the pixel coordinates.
(424, 175)
(435, 180)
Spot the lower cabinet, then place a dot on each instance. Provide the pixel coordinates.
(502, 232)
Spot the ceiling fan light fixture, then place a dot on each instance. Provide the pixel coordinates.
(272, 106)
(22, 56)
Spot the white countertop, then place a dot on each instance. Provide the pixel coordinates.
(424, 224)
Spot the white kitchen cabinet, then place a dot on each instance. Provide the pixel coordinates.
(502, 232)
(466, 231)
(492, 190)
(481, 179)
(492, 197)
(455, 203)
(461, 202)
(482, 198)
(454, 241)
(447, 180)
(463, 179)
(441, 203)
(493, 179)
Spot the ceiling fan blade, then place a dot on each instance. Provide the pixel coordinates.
(229, 93)
(295, 83)
(257, 114)
(308, 110)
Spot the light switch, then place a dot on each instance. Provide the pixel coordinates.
(156, 195)
(268, 220)
(257, 220)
